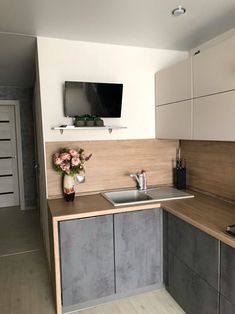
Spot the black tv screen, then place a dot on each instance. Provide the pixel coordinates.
(100, 99)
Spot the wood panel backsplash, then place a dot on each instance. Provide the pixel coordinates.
(211, 167)
(113, 161)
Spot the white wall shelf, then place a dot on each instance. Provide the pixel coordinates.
(71, 128)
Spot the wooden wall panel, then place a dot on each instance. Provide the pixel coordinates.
(211, 167)
(113, 161)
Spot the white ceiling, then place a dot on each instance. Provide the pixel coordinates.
(144, 23)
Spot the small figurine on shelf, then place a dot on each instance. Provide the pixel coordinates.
(88, 121)
(99, 122)
(79, 121)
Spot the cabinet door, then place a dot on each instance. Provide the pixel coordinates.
(225, 306)
(174, 83)
(173, 121)
(192, 293)
(137, 249)
(214, 117)
(213, 69)
(195, 248)
(227, 284)
(87, 259)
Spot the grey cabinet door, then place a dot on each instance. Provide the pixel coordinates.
(137, 249)
(192, 293)
(225, 306)
(87, 259)
(227, 277)
(198, 250)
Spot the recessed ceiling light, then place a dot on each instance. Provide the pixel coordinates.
(178, 11)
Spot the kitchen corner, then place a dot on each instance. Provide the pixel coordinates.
(208, 214)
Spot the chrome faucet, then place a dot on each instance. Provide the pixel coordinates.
(141, 180)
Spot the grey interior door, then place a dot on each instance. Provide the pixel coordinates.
(137, 249)
(9, 185)
(87, 259)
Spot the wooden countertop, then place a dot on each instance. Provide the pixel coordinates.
(88, 206)
(207, 213)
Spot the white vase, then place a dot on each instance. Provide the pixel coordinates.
(68, 187)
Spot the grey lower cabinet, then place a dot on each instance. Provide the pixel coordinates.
(226, 307)
(107, 255)
(87, 259)
(227, 284)
(191, 266)
(138, 249)
(191, 291)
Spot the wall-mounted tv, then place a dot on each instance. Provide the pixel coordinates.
(99, 99)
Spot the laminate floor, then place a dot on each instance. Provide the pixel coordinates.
(156, 302)
(19, 231)
(25, 286)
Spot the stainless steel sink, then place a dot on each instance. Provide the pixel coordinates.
(127, 197)
(132, 197)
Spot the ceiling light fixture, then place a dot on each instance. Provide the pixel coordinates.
(178, 11)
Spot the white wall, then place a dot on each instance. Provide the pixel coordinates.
(61, 60)
(42, 183)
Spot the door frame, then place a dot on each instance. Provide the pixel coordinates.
(16, 106)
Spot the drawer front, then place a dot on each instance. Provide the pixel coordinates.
(225, 306)
(192, 293)
(195, 248)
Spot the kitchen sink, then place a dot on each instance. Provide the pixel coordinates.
(127, 197)
(132, 197)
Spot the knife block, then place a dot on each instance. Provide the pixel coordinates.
(180, 178)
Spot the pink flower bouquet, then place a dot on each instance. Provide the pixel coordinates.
(70, 161)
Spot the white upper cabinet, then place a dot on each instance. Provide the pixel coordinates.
(214, 69)
(173, 121)
(174, 83)
(214, 117)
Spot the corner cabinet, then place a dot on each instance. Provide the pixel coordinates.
(214, 117)
(104, 256)
(191, 266)
(212, 100)
(213, 69)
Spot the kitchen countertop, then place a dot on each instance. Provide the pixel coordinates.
(88, 206)
(209, 214)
